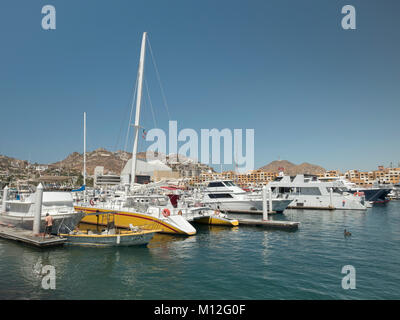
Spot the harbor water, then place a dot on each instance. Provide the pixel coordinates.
(224, 263)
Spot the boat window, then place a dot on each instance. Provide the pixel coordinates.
(229, 183)
(219, 195)
(337, 190)
(215, 184)
(286, 190)
(309, 191)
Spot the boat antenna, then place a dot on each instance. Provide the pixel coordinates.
(84, 155)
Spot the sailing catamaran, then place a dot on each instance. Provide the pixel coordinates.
(126, 212)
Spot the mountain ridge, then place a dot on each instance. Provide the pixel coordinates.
(292, 169)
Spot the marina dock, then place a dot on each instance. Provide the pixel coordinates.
(26, 236)
(258, 212)
(270, 224)
(265, 222)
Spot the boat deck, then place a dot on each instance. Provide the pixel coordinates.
(26, 236)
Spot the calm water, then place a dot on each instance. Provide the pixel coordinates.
(224, 263)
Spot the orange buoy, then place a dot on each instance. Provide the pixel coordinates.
(166, 212)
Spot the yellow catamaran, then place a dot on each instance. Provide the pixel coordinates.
(147, 210)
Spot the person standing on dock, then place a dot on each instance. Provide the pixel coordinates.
(49, 225)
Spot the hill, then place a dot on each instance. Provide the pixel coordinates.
(8, 163)
(113, 162)
(292, 169)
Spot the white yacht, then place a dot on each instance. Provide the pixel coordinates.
(395, 192)
(310, 193)
(374, 194)
(227, 196)
(59, 205)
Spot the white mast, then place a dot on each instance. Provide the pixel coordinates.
(138, 104)
(84, 154)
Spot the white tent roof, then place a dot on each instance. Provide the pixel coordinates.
(145, 168)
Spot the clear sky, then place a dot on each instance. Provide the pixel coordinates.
(312, 91)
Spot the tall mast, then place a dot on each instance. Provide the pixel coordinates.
(138, 104)
(84, 154)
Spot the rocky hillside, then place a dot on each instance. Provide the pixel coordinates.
(292, 169)
(7, 163)
(113, 162)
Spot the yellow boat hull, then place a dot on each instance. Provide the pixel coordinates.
(124, 218)
(217, 221)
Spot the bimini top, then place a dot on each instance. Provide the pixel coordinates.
(54, 198)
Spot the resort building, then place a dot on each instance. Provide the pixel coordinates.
(380, 176)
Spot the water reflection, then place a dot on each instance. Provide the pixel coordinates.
(266, 264)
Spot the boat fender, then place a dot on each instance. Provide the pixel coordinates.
(216, 212)
(180, 212)
(166, 212)
(91, 202)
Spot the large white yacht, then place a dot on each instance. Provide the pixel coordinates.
(227, 196)
(310, 193)
(374, 194)
(395, 192)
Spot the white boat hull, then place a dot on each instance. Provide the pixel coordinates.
(324, 202)
(63, 223)
(278, 205)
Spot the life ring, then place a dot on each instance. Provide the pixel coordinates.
(91, 202)
(166, 212)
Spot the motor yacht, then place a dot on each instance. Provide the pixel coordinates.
(20, 212)
(225, 195)
(310, 193)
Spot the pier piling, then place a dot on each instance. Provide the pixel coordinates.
(38, 209)
(265, 209)
(4, 203)
(269, 224)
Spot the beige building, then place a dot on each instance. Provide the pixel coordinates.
(160, 175)
(368, 178)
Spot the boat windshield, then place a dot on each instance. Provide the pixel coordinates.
(215, 184)
(338, 190)
(229, 183)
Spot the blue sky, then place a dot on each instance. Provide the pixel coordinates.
(312, 91)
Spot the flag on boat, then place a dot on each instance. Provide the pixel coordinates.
(80, 189)
(144, 134)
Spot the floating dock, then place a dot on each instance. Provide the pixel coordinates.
(267, 223)
(26, 236)
(260, 212)
(270, 224)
